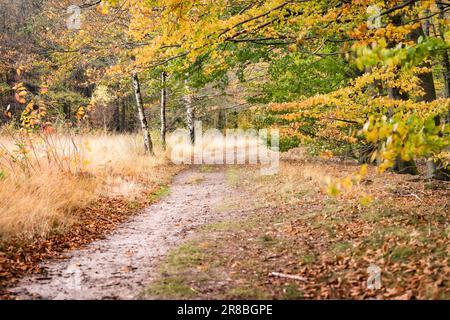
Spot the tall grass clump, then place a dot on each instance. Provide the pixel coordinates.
(47, 176)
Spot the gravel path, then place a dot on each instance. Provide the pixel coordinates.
(121, 265)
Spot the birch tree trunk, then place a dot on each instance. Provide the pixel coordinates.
(148, 145)
(163, 109)
(190, 115)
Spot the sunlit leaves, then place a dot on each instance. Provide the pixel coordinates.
(21, 93)
(408, 134)
(401, 55)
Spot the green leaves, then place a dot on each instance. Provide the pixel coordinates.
(295, 76)
(406, 134)
(404, 56)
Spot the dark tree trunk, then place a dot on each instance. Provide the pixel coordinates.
(446, 73)
(236, 118)
(401, 166)
(435, 168)
(67, 111)
(221, 119)
(405, 167)
(426, 79)
(116, 116)
(123, 116)
(445, 56)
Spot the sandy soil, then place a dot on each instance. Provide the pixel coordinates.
(120, 266)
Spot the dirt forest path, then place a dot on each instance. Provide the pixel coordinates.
(120, 266)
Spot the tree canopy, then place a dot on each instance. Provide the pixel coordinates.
(369, 77)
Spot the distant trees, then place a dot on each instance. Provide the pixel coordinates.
(17, 49)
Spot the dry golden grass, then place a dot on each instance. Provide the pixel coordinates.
(39, 204)
(42, 199)
(63, 173)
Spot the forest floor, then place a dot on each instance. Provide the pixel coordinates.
(293, 240)
(119, 266)
(231, 233)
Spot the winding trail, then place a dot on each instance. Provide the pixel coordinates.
(120, 266)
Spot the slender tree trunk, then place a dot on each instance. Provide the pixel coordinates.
(426, 24)
(190, 115)
(67, 111)
(430, 95)
(445, 56)
(123, 124)
(236, 118)
(221, 119)
(117, 115)
(148, 145)
(446, 73)
(163, 109)
(105, 126)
